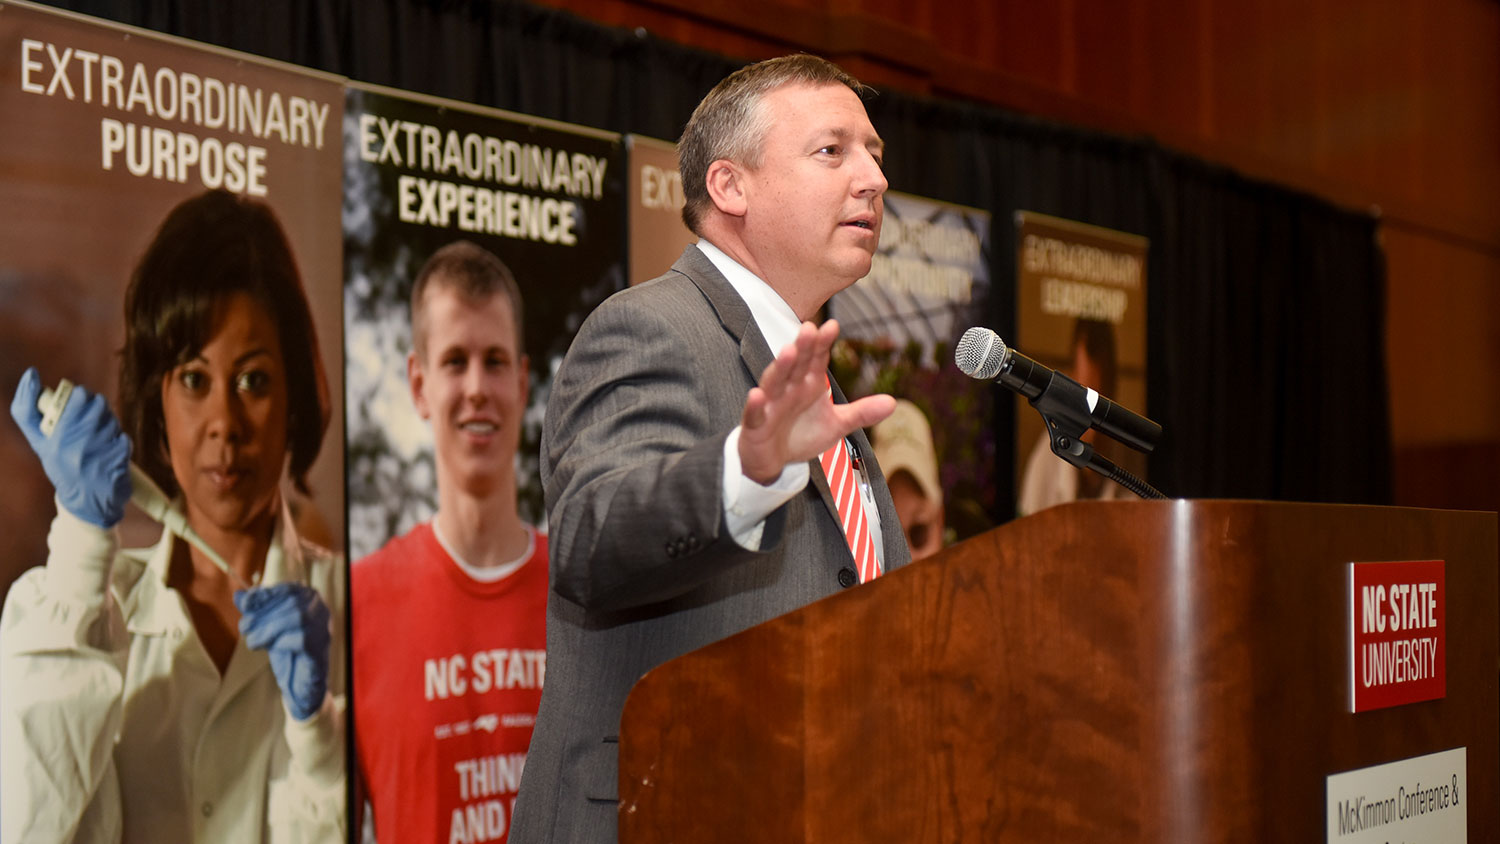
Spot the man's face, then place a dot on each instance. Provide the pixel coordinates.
(814, 205)
(471, 383)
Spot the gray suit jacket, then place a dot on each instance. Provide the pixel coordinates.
(643, 568)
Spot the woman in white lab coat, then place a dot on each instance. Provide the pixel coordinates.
(148, 694)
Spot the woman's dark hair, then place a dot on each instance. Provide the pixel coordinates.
(209, 247)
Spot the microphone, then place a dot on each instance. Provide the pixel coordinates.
(983, 355)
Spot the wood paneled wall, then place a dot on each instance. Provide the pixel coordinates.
(1373, 104)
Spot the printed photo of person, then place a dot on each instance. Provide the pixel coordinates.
(449, 620)
(904, 448)
(159, 693)
(1047, 479)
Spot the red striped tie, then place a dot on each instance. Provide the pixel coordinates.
(844, 484)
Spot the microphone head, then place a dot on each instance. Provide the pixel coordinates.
(980, 353)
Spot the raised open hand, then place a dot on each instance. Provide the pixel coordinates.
(791, 416)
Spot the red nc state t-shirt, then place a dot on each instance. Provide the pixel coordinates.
(448, 676)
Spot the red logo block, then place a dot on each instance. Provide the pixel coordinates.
(1397, 634)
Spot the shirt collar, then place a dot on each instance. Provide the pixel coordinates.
(487, 574)
(776, 320)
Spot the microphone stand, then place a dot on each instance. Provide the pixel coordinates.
(1063, 405)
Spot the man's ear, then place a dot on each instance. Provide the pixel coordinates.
(415, 378)
(726, 187)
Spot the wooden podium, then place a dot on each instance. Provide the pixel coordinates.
(1137, 671)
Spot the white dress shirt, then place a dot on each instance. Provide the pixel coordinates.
(747, 503)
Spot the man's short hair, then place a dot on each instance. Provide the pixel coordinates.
(476, 274)
(731, 124)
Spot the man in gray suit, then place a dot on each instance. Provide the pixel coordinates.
(685, 498)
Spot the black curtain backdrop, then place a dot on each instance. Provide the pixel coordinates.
(1266, 306)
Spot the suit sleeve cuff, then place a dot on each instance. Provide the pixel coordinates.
(747, 503)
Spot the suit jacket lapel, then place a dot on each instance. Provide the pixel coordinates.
(737, 320)
(733, 313)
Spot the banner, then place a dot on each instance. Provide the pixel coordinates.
(449, 663)
(657, 233)
(1081, 309)
(929, 281)
(206, 183)
(106, 130)
(420, 173)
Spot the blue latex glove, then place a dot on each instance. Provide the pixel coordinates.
(87, 456)
(290, 623)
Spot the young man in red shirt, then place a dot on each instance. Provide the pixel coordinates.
(449, 620)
